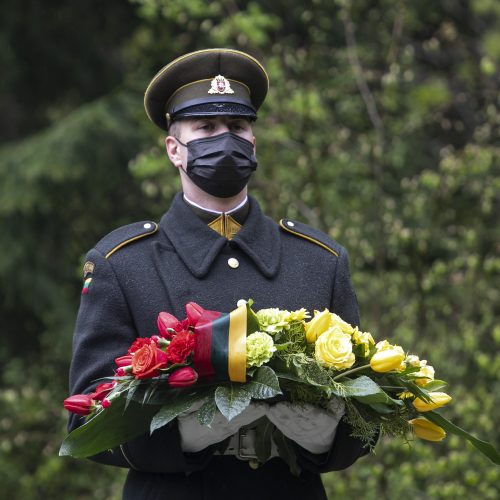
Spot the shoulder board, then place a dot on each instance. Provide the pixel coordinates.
(124, 235)
(310, 234)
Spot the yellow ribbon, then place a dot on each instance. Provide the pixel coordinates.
(237, 352)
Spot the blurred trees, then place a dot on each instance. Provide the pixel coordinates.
(381, 127)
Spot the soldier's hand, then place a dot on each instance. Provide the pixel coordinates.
(196, 437)
(309, 426)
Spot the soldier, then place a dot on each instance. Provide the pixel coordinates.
(213, 246)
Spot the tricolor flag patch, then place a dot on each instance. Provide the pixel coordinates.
(88, 269)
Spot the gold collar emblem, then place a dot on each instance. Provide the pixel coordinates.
(225, 225)
(220, 85)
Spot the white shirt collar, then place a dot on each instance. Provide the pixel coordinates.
(215, 211)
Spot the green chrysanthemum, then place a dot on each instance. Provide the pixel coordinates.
(260, 349)
(272, 320)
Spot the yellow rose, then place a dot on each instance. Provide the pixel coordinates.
(334, 349)
(344, 326)
(427, 430)
(319, 324)
(390, 357)
(438, 399)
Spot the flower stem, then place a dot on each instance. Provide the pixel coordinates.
(350, 372)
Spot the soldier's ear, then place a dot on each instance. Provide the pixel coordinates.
(173, 150)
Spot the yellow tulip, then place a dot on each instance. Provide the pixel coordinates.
(438, 399)
(318, 325)
(387, 360)
(426, 373)
(427, 430)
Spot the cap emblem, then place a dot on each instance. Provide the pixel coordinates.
(220, 85)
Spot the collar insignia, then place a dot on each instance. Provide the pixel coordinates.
(220, 85)
(225, 225)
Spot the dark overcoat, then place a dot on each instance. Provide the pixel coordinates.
(144, 268)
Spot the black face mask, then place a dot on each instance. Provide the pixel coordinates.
(220, 165)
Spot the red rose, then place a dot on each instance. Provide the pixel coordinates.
(102, 390)
(148, 360)
(81, 404)
(180, 347)
(123, 361)
(193, 312)
(138, 343)
(169, 325)
(182, 377)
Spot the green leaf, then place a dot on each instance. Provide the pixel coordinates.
(366, 391)
(263, 440)
(132, 388)
(416, 390)
(207, 412)
(169, 411)
(252, 321)
(436, 385)
(150, 390)
(264, 385)
(289, 376)
(108, 429)
(282, 347)
(232, 400)
(382, 408)
(286, 451)
(484, 447)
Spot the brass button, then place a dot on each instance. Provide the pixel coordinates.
(232, 262)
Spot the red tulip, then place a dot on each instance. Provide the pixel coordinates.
(169, 325)
(193, 312)
(81, 404)
(182, 377)
(102, 390)
(123, 361)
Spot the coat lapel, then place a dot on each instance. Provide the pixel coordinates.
(259, 238)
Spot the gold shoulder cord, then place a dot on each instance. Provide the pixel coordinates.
(308, 238)
(126, 242)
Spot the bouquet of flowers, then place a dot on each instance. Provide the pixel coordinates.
(221, 362)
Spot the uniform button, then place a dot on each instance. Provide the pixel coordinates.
(148, 226)
(232, 262)
(290, 223)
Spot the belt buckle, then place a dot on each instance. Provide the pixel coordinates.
(246, 445)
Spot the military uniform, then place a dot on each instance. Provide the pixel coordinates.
(141, 269)
(144, 268)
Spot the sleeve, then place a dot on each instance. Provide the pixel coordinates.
(345, 449)
(104, 331)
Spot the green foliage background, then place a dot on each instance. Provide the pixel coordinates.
(381, 128)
